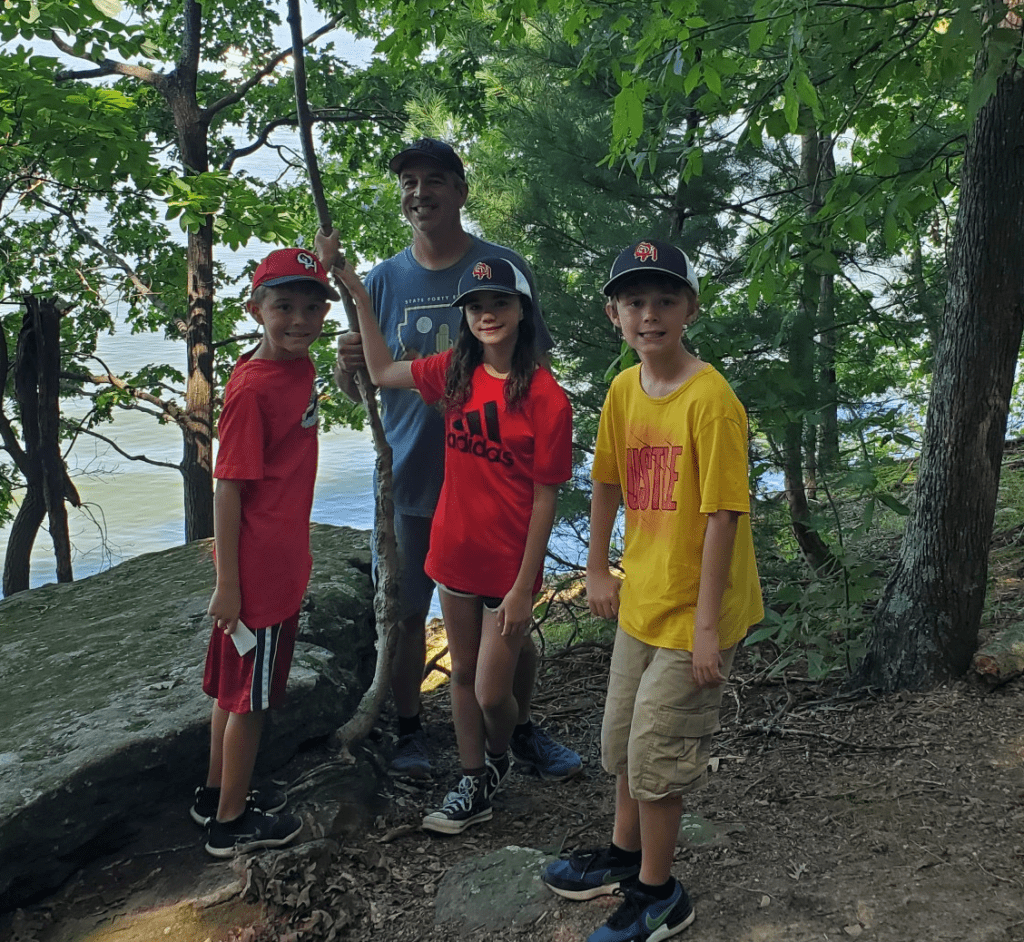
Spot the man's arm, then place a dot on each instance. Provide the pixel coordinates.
(714, 574)
(226, 603)
(602, 586)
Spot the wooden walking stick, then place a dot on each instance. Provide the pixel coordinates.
(385, 599)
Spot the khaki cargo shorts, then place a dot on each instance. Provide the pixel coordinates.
(657, 722)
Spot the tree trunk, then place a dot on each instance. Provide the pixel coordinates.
(828, 391)
(797, 444)
(46, 327)
(926, 627)
(197, 460)
(47, 485)
(192, 127)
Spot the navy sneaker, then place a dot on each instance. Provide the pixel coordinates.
(497, 771)
(412, 756)
(204, 808)
(254, 830)
(588, 874)
(464, 805)
(538, 752)
(642, 918)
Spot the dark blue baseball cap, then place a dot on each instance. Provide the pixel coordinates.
(652, 256)
(433, 149)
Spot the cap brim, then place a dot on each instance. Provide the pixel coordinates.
(498, 289)
(285, 279)
(647, 269)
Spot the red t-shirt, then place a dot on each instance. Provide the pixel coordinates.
(493, 458)
(268, 442)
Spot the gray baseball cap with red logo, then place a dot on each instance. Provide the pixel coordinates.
(652, 256)
(286, 265)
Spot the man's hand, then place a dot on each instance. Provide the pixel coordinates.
(328, 248)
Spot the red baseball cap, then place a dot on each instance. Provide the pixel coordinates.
(284, 265)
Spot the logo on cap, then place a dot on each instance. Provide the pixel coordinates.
(482, 271)
(645, 252)
(306, 261)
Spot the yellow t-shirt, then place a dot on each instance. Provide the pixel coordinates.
(678, 458)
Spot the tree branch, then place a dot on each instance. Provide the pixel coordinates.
(124, 454)
(242, 90)
(103, 67)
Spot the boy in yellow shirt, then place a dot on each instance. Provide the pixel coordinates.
(672, 444)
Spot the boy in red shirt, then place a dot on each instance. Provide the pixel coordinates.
(266, 466)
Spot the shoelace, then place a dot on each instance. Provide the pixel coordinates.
(630, 909)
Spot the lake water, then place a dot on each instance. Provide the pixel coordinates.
(131, 507)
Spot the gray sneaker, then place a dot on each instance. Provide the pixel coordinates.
(412, 756)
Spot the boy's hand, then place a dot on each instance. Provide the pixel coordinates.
(707, 662)
(225, 607)
(515, 614)
(603, 593)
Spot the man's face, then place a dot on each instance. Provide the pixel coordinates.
(432, 198)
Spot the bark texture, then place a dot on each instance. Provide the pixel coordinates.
(47, 485)
(926, 626)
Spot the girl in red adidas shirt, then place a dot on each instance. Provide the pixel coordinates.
(508, 436)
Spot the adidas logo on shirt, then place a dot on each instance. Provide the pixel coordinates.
(468, 435)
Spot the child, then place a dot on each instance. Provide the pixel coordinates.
(508, 436)
(266, 465)
(673, 441)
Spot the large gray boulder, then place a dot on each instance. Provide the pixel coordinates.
(102, 715)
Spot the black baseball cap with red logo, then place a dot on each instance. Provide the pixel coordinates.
(493, 274)
(652, 256)
(286, 265)
(433, 149)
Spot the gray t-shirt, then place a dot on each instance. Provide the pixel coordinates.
(413, 306)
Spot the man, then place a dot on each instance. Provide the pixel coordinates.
(412, 293)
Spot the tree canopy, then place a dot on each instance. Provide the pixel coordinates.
(809, 157)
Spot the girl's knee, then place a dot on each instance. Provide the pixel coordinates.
(495, 700)
(463, 676)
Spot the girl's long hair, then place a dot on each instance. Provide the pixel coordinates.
(469, 354)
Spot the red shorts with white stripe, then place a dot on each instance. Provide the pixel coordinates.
(254, 681)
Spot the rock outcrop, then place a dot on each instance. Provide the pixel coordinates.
(102, 716)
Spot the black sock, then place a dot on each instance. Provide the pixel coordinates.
(523, 729)
(658, 892)
(630, 858)
(409, 724)
(475, 773)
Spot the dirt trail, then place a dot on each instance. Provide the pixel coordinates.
(896, 819)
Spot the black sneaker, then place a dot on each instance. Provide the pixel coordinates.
(467, 804)
(252, 831)
(644, 917)
(588, 874)
(204, 808)
(497, 771)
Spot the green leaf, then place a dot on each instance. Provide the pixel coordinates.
(893, 504)
(757, 34)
